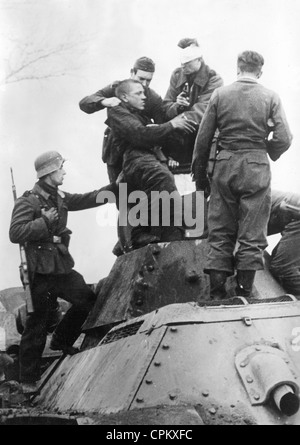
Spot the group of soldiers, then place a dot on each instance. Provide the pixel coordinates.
(147, 137)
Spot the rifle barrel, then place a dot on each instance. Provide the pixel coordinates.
(23, 266)
(13, 184)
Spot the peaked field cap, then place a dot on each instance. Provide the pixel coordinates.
(144, 64)
(48, 162)
(190, 53)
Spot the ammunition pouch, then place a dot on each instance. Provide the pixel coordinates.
(50, 257)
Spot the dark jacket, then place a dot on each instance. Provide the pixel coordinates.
(30, 228)
(242, 112)
(204, 84)
(90, 104)
(285, 260)
(280, 216)
(130, 130)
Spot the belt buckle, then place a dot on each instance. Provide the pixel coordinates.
(56, 239)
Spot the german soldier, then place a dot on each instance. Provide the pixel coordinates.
(240, 200)
(285, 259)
(39, 221)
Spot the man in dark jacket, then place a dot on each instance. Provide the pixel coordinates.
(143, 71)
(190, 89)
(39, 222)
(285, 259)
(144, 165)
(240, 200)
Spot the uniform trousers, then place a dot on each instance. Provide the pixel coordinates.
(44, 289)
(144, 172)
(239, 210)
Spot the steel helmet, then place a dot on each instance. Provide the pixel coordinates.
(48, 162)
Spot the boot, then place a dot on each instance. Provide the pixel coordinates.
(217, 284)
(245, 279)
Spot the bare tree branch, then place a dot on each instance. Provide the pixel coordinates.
(30, 59)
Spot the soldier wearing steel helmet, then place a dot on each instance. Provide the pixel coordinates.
(39, 220)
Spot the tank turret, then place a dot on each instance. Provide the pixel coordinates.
(157, 350)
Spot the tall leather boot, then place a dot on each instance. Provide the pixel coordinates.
(217, 284)
(245, 279)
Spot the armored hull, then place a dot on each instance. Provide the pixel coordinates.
(158, 351)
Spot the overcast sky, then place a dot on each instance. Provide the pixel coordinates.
(92, 43)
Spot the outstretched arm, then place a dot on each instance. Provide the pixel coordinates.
(103, 98)
(129, 127)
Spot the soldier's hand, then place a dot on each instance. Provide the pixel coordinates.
(182, 100)
(182, 123)
(51, 214)
(110, 102)
(203, 185)
(172, 163)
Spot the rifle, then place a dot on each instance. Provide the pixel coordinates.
(23, 266)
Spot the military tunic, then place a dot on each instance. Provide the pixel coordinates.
(51, 271)
(240, 200)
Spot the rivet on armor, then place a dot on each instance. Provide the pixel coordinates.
(249, 379)
(192, 276)
(157, 363)
(174, 329)
(165, 346)
(139, 302)
(256, 396)
(149, 382)
(139, 400)
(156, 251)
(212, 410)
(172, 396)
(150, 267)
(243, 364)
(205, 393)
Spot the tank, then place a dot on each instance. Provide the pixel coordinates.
(156, 350)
